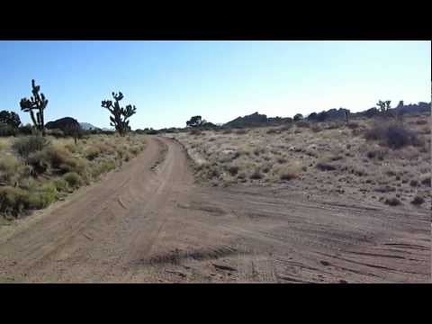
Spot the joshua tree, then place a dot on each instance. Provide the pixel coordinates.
(36, 102)
(384, 105)
(119, 115)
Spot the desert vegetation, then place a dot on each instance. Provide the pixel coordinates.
(374, 159)
(42, 163)
(35, 171)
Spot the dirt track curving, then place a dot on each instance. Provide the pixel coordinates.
(149, 222)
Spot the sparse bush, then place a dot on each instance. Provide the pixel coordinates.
(413, 183)
(288, 175)
(325, 166)
(377, 153)
(73, 179)
(422, 122)
(195, 131)
(24, 146)
(393, 135)
(302, 124)
(57, 133)
(61, 185)
(256, 175)
(426, 181)
(392, 201)
(9, 169)
(316, 128)
(353, 125)
(233, 169)
(417, 200)
(241, 131)
(42, 197)
(13, 200)
(273, 131)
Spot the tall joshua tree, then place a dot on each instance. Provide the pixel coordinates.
(120, 115)
(37, 102)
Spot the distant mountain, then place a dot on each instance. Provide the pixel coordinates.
(88, 126)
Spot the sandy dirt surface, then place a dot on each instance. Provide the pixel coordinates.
(150, 222)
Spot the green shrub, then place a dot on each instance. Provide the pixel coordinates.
(13, 201)
(61, 185)
(10, 169)
(73, 179)
(24, 146)
(42, 197)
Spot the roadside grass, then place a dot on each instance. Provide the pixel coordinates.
(35, 171)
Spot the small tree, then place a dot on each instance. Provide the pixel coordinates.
(195, 121)
(36, 102)
(298, 117)
(10, 118)
(120, 115)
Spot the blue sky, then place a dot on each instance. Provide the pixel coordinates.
(170, 81)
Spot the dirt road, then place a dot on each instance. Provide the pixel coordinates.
(149, 222)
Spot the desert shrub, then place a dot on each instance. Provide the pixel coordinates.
(256, 175)
(316, 128)
(417, 200)
(7, 130)
(42, 197)
(413, 183)
(241, 131)
(24, 146)
(288, 174)
(196, 132)
(273, 131)
(61, 184)
(39, 163)
(13, 200)
(10, 168)
(426, 181)
(302, 124)
(392, 201)
(58, 158)
(73, 179)
(353, 125)
(227, 131)
(55, 132)
(422, 122)
(233, 169)
(394, 136)
(323, 166)
(26, 130)
(92, 152)
(281, 160)
(377, 153)
(135, 150)
(103, 167)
